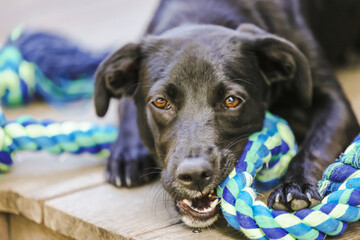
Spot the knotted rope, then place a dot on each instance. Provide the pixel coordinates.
(41, 64)
(271, 150)
(26, 133)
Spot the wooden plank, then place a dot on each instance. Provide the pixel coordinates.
(39, 177)
(144, 213)
(106, 212)
(36, 177)
(180, 232)
(351, 233)
(24, 229)
(4, 226)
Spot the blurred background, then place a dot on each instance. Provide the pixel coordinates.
(94, 24)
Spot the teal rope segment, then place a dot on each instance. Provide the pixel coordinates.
(41, 64)
(270, 151)
(26, 133)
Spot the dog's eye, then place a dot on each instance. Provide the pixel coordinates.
(161, 103)
(232, 102)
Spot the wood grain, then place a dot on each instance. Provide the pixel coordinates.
(4, 226)
(105, 212)
(180, 232)
(39, 176)
(24, 229)
(352, 232)
(111, 212)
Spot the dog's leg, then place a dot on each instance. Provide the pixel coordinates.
(333, 126)
(130, 163)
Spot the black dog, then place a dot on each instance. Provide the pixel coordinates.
(201, 80)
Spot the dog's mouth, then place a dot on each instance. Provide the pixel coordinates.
(201, 211)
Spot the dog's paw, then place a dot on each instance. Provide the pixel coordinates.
(130, 166)
(293, 197)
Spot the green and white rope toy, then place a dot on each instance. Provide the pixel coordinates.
(266, 157)
(26, 133)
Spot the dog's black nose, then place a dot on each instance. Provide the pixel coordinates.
(195, 173)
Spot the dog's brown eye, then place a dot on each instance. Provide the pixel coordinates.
(232, 102)
(161, 103)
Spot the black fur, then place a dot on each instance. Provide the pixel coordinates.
(197, 53)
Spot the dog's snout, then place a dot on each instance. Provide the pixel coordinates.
(195, 173)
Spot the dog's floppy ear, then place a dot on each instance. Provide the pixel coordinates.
(116, 76)
(280, 60)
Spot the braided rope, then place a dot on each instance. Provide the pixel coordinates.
(26, 133)
(35, 63)
(275, 145)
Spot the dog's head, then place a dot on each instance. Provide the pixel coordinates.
(200, 92)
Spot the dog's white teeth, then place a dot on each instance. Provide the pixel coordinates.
(209, 209)
(187, 202)
(214, 203)
(309, 196)
(205, 210)
(289, 197)
(277, 198)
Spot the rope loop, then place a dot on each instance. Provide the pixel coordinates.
(263, 163)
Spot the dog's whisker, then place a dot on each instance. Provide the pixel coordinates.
(149, 173)
(149, 193)
(156, 168)
(166, 201)
(237, 140)
(157, 195)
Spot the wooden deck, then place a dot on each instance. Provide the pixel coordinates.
(66, 197)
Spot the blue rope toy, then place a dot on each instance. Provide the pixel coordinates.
(268, 152)
(26, 133)
(36, 63)
(60, 72)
